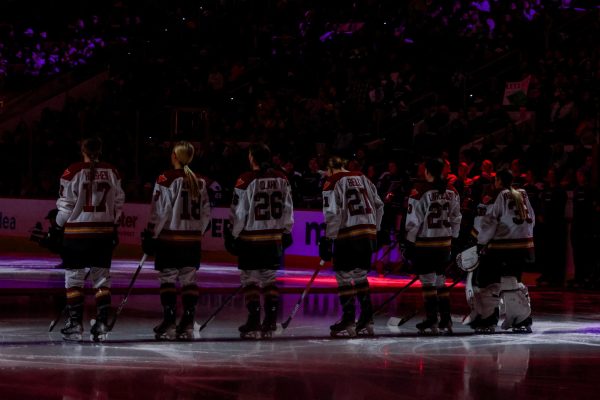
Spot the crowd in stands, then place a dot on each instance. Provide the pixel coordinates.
(382, 83)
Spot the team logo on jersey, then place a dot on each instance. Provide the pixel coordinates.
(414, 193)
(239, 182)
(161, 179)
(66, 173)
(326, 185)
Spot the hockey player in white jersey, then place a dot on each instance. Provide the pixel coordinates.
(261, 219)
(432, 223)
(179, 216)
(504, 228)
(89, 206)
(353, 213)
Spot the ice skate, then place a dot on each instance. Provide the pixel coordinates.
(269, 324)
(166, 330)
(364, 326)
(428, 327)
(73, 331)
(252, 328)
(343, 328)
(485, 325)
(445, 325)
(523, 326)
(99, 330)
(185, 329)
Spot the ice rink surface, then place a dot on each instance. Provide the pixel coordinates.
(559, 360)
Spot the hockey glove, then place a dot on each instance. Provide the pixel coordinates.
(231, 243)
(148, 242)
(286, 240)
(54, 239)
(325, 248)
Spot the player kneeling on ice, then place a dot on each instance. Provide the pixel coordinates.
(504, 226)
(179, 216)
(353, 213)
(90, 204)
(432, 223)
(261, 219)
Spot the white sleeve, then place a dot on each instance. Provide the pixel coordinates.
(204, 207)
(238, 211)
(377, 203)
(455, 217)
(288, 210)
(415, 216)
(66, 201)
(119, 199)
(161, 209)
(332, 212)
(489, 222)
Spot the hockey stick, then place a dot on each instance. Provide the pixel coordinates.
(64, 309)
(395, 321)
(285, 324)
(129, 289)
(396, 294)
(218, 310)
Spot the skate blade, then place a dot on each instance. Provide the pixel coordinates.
(429, 332)
(185, 337)
(99, 338)
(524, 330)
(251, 335)
(485, 331)
(366, 331)
(73, 338)
(344, 334)
(266, 334)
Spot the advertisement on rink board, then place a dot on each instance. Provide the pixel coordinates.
(18, 217)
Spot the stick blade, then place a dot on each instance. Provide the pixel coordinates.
(394, 321)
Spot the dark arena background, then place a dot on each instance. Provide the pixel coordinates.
(386, 84)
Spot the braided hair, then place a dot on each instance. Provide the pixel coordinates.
(184, 152)
(505, 177)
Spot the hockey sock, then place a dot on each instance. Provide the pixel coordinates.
(271, 295)
(346, 295)
(363, 294)
(431, 302)
(443, 295)
(103, 301)
(168, 299)
(189, 297)
(75, 301)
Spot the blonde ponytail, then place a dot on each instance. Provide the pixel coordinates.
(521, 209)
(184, 151)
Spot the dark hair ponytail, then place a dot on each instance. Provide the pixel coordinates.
(435, 167)
(92, 147)
(261, 154)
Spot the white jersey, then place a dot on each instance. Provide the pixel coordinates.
(433, 217)
(262, 207)
(351, 206)
(175, 216)
(499, 226)
(90, 208)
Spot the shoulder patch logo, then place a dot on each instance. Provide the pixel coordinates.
(161, 179)
(414, 193)
(327, 185)
(66, 173)
(239, 182)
